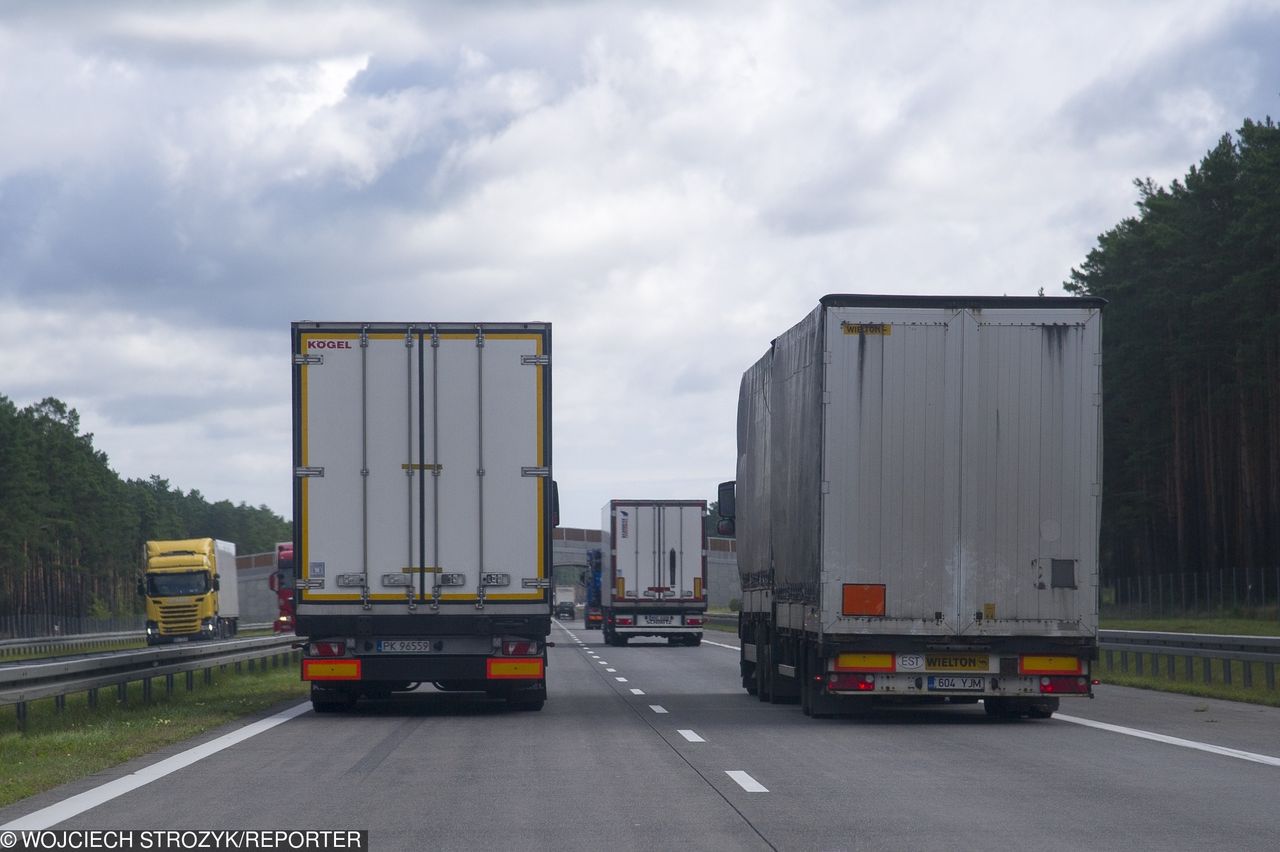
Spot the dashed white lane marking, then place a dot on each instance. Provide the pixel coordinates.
(691, 736)
(635, 691)
(745, 781)
(1178, 741)
(721, 645)
(602, 662)
(611, 670)
(657, 708)
(67, 808)
(620, 679)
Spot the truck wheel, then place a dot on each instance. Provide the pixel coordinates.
(331, 700)
(695, 641)
(1042, 709)
(764, 667)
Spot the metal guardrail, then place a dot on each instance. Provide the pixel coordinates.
(80, 641)
(1147, 648)
(21, 683)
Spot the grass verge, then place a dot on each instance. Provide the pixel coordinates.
(80, 740)
(1127, 674)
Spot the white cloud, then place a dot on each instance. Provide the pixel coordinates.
(671, 186)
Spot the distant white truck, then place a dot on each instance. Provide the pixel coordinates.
(423, 508)
(564, 605)
(654, 580)
(917, 504)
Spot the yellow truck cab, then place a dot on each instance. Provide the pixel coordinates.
(190, 588)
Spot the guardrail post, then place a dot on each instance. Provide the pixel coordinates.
(168, 684)
(93, 699)
(1191, 668)
(252, 667)
(1171, 666)
(1137, 663)
(1124, 661)
(1271, 675)
(238, 667)
(146, 690)
(191, 681)
(1208, 669)
(22, 715)
(208, 676)
(59, 703)
(1226, 666)
(122, 692)
(1248, 674)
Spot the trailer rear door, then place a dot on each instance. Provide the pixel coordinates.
(422, 462)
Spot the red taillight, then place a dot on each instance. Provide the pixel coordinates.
(845, 681)
(693, 620)
(519, 647)
(326, 649)
(1063, 684)
(625, 620)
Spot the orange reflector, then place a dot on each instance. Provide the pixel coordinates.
(863, 599)
(498, 668)
(330, 669)
(620, 587)
(865, 662)
(1029, 665)
(697, 587)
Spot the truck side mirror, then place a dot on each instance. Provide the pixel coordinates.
(726, 500)
(217, 583)
(273, 582)
(555, 504)
(725, 527)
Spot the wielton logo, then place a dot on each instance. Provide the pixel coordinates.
(328, 344)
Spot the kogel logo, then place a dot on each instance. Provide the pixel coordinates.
(328, 344)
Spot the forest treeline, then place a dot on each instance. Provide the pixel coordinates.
(72, 531)
(1191, 367)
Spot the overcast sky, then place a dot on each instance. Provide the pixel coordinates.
(671, 185)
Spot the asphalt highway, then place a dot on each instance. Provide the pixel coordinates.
(652, 747)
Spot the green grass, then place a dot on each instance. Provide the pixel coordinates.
(1191, 624)
(60, 747)
(1195, 685)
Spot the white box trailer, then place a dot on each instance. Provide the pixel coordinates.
(917, 503)
(655, 573)
(423, 507)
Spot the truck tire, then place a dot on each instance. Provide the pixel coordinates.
(764, 666)
(331, 700)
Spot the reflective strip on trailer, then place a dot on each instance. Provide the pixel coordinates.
(499, 668)
(1031, 665)
(330, 669)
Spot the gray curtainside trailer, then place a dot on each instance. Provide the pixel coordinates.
(917, 504)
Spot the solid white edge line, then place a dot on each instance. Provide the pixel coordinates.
(706, 641)
(1177, 741)
(657, 708)
(745, 781)
(690, 736)
(78, 804)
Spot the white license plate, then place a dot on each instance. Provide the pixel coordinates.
(403, 646)
(657, 619)
(957, 684)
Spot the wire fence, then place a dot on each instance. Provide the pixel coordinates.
(39, 625)
(1248, 591)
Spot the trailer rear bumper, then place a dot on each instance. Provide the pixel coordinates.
(425, 668)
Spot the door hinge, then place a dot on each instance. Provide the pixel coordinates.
(535, 471)
(308, 360)
(536, 360)
(308, 471)
(535, 583)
